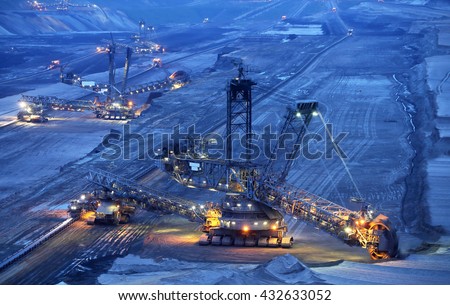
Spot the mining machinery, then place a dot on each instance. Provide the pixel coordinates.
(238, 220)
(54, 103)
(143, 44)
(36, 108)
(111, 50)
(265, 186)
(228, 223)
(256, 196)
(116, 111)
(69, 78)
(365, 228)
(103, 207)
(32, 112)
(157, 62)
(117, 106)
(62, 5)
(133, 194)
(244, 220)
(262, 226)
(175, 81)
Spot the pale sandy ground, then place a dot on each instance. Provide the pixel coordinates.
(286, 269)
(438, 70)
(444, 36)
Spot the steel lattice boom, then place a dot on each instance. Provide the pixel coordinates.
(55, 102)
(147, 197)
(288, 145)
(355, 228)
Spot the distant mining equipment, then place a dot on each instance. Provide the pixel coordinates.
(179, 79)
(62, 5)
(143, 44)
(35, 109)
(32, 112)
(175, 81)
(116, 106)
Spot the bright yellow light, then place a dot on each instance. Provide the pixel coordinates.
(245, 228)
(177, 86)
(169, 230)
(348, 230)
(274, 227)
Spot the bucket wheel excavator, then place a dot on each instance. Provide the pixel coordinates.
(256, 199)
(265, 186)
